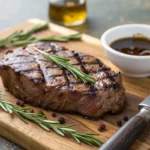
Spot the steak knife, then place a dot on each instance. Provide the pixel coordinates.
(127, 134)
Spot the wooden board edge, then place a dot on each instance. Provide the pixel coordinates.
(26, 143)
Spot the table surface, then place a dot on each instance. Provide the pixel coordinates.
(102, 15)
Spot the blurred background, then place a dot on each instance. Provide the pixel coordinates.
(102, 15)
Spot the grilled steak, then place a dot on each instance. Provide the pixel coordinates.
(28, 75)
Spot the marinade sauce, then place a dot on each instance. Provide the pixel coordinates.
(132, 45)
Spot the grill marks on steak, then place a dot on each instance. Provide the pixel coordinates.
(34, 66)
(58, 77)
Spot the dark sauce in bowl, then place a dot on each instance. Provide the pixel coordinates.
(139, 46)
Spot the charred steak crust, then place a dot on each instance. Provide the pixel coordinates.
(31, 77)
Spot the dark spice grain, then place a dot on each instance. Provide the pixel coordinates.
(31, 111)
(21, 103)
(125, 118)
(61, 120)
(102, 127)
(18, 102)
(53, 114)
(40, 112)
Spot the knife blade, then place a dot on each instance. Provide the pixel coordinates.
(127, 134)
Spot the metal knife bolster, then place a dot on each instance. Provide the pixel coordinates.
(145, 113)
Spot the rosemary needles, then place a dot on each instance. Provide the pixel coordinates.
(49, 38)
(64, 63)
(47, 125)
(21, 38)
(20, 35)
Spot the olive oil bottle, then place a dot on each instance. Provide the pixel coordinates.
(68, 12)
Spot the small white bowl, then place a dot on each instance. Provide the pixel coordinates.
(135, 66)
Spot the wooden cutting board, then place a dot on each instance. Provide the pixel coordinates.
(32, 137)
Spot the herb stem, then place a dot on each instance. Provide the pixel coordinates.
(62, 38)
(46, 124)
(50, 38)
(9, 38)
(25, 42)
(20, 36)
(63, 62)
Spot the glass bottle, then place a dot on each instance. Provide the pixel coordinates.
(68, 12)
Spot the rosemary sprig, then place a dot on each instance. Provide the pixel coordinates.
(20, 38)
(9, 38)
(25, 42)
(51, 38)
(46, 124)
(62, 38)
(20, 35)
(64, 63)
(27, 35)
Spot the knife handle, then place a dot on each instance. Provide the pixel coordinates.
(126, 135)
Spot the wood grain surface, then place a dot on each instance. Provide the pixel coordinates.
(33, 137)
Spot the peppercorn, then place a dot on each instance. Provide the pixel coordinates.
(119, 123)
(21, 103)
(18, 102)
(53, 114)
(125, 118)
(40, 112)
(61, 120)
(102, 127)
(31, 111)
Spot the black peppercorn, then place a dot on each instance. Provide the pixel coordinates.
(119, 123)
(21, 103)
(31, 111)
(61, 120)
(18, 102)
(103, 126)
(53, 114)
(40, 112)
(76, 54)
(125, 118)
